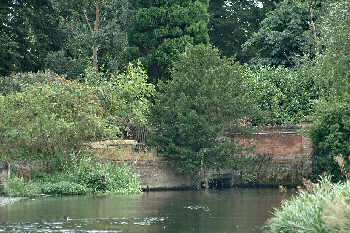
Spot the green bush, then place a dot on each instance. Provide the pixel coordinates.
(44, 114)
(102, 177)
(63, 188)
(20, 81)
(18, 188)
(330, 134)
(284, 96)
(325, 210)
(124, 96)
(49, 119)
(77, 176)
(331, 129)
(333, 64)
(205, 97)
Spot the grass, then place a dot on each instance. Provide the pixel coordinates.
(77, 177)
(324, 210)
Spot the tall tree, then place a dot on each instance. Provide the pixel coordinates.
(163, 29)
(288, 33)
(205, 97)
(233, 22)
(95, 34)
(333, 62)
(9, 57)
(29, 29)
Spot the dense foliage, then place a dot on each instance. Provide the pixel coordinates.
(284, 96)
(28, 31)
(48, 119)
(75, 176)
(44, 115)
(330, 131)
(125, 96)
(324, 210)
(286, 34)
(95, 34)
(233, 22)
(162, 30)
(331, 135)
(18, 82)
(333, 66)
(205, 97)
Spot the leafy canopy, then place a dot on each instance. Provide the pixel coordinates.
(284, 96)
(161, 31)
(28, 31)
(94, 33)
(330, 132)
(284, 36)
(233, 22)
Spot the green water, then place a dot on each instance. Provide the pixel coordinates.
(229, 211)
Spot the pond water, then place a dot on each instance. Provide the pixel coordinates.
(228, 211)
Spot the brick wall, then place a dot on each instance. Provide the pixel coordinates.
(284, 157)
(277, 143)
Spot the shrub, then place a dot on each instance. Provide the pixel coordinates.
(78, 176)
(123, 180)
(51, 119)
(205, 97)
(20, 81)
(125, 96)
(18, 188)
(63, 188)
(331, 129)
(330, 134)
(284, 96)
(103, 177)
(42, 113)
(326, 210)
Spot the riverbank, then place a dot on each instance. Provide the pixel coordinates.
(75, 176)
(324, 208)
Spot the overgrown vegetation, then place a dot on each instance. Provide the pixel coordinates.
(324, 210)
(205, 97)
(330, 131)
(331, 135)
(77, 175)
(43, 114)
(297, 69)
(284, 96)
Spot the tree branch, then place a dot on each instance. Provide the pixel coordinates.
(87, 20)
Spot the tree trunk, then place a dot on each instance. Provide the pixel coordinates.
(96, 31)
(94, 57)
(313, 28)
(8, 170)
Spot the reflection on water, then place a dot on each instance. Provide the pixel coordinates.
(229, 211)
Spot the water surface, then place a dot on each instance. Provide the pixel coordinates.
(229, 211)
